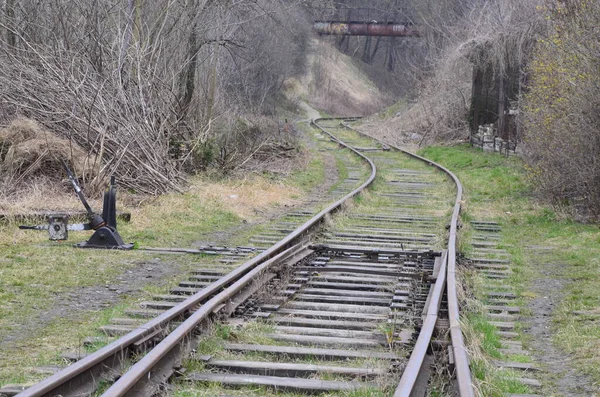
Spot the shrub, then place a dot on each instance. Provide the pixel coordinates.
(562, 107)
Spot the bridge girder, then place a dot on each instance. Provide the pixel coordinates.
(365, 29)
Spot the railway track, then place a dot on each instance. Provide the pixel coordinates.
(329, 305)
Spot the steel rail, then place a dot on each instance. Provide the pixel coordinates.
(77, 378)
(143, 368)
(69, 380)
(139, 372)
(461, 358)
(408, 381)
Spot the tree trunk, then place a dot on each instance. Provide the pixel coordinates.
(476, 99)
(391, 56)
(366, 57)
(212, 89)
(372, 56)
(137, 24)
(9, 12)
(189, 73)
(502, 102)
(94, 34)
(126, 40)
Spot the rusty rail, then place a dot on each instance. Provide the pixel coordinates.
(143, 368)
(82, 377)
(463, 372)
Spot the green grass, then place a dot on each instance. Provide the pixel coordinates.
(497, 188)
(490, 340)
(306, 179)
(486, 177)
(496, 383)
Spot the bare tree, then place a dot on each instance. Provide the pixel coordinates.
(11, 38)
(147, 88)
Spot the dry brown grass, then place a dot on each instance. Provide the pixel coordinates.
(438, 116)
(39, 196)
(29, 151)
(247, 197)
(337, 85)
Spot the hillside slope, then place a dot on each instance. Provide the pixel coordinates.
(336, 84)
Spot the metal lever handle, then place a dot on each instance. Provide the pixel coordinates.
(96, 221)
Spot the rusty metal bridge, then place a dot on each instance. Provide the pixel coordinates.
(350, 21)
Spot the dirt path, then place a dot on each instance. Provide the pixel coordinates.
(548, 283)
(311, 113)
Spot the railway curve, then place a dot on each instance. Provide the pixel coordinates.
(332, 276)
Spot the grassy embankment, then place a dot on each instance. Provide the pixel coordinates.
(497, 189)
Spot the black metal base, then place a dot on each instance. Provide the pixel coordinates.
(105, 238)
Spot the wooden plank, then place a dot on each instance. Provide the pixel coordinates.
(348, 292)
(337, 307)
(127, 321)
(212, 272)
(361, 270)
(517, 365)
(312, 322)
(353, 286)
(525, 395)
(415, 247)
(205, 277)
(489, 261)
(308, 352)
(502, 317)
(342, 299)
(10, 391)
(184, 291)
(172, 298)
(334, 333)
(390, 265)
(356, 280)
(392, 231)
(393, 238)
(114, 330)
(291, 369)
(280, 383)
(503, 325)
(144, 313)
(158, 305)
(333, 315)
(395, 217)
(366, 250)
(491, 266)
(315, 340)
(193, 284)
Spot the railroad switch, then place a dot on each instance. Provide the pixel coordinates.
(58, 227)
(105, 234)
